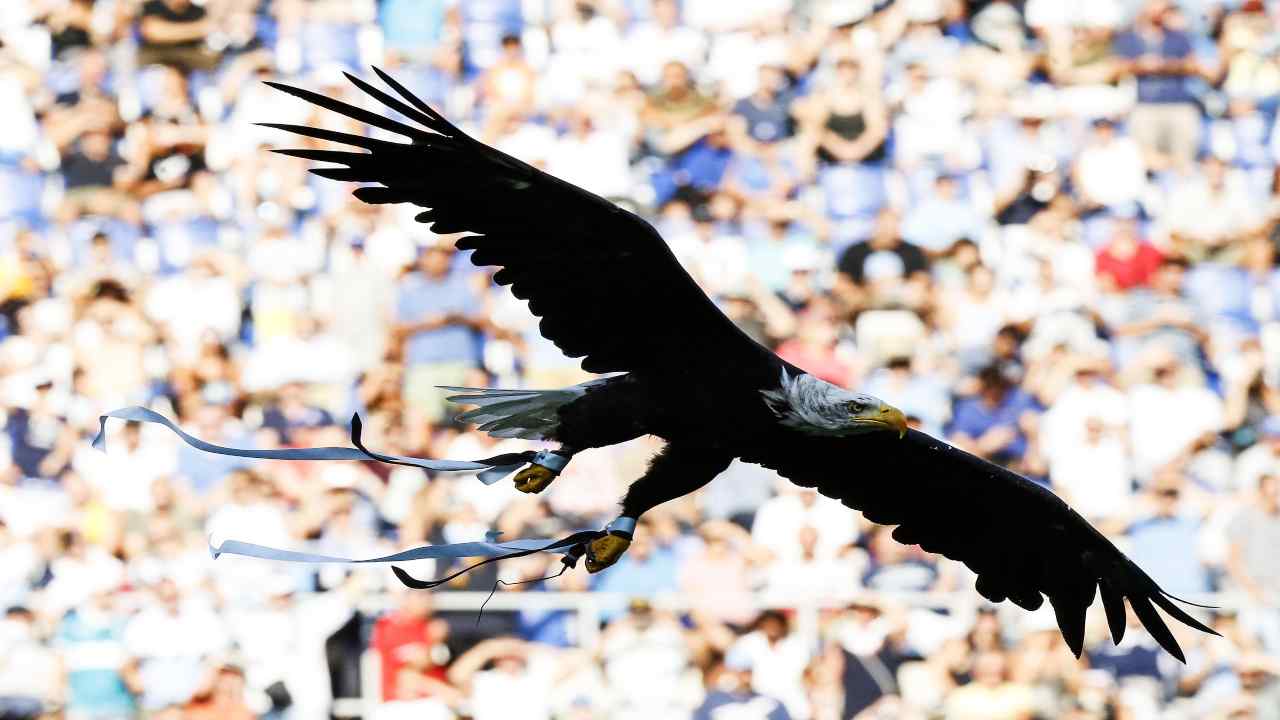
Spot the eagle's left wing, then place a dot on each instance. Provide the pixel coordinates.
(1023, 541)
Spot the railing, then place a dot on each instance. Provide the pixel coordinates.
(591, 607)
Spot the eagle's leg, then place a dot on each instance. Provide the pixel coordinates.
(676, 471)
(602, 416)
(546, 466)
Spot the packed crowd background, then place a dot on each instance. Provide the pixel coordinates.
(1047, 230)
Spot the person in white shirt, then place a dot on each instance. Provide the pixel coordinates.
(592, 157)
(171, 637)
(1173, 416)
(1110, 172)
(519, 684)
(651, 45)
(127, 471)
(1084, 437)
(282, 638)
(778, 523)
(778, 658)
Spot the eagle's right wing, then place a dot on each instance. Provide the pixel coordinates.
(605, 284)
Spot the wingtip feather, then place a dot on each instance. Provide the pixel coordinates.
(1155, 625)
(1071, 621)
(1113, 605)
(1181, 615)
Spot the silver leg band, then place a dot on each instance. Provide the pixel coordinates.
(622, 526)
(551, 461)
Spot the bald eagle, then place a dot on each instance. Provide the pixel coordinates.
(609, 290)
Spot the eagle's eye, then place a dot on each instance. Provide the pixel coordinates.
(857, 407)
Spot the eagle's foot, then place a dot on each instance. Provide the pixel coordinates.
(535, 479)
(545, 467)
(605, 551)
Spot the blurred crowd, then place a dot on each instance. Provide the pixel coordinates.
(1046, 230)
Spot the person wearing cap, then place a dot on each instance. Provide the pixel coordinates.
(646, 642)
(1166, 539)
(729, 693)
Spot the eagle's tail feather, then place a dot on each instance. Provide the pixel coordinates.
(527, 414)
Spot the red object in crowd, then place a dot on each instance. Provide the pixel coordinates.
(392, 632)
(1131, 269)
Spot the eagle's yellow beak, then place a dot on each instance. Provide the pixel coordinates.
(891, 418)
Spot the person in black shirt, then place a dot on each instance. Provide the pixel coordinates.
(70, 27)
(885, 253)
(40, 439)
(173, 33)
(93, 171)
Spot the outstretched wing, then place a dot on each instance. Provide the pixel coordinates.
(1023, 541)
(607, 287)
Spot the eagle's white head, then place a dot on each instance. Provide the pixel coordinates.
(817, 407)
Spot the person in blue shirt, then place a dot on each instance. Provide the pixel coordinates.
(413, 27)
(1165, 543)
(90, 638)
(990, 423)
(438, 314)
(943, 217)
(1161, 57)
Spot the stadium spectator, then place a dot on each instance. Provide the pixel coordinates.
(1252, 533)
(1162, 58)
(437, 313)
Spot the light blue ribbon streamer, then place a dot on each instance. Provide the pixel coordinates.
(491, 470)
(488, 548)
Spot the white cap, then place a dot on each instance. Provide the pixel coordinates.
(923, 11)
(846, 12)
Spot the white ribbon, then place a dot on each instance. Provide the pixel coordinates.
(491, 469)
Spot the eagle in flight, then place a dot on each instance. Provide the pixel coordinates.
(609, 290)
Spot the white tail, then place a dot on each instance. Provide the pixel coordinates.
(526, 414)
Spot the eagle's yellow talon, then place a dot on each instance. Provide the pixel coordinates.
(534, 479)
(605, 551)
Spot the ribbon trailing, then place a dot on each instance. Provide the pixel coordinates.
(491, 469)
(571, 546)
